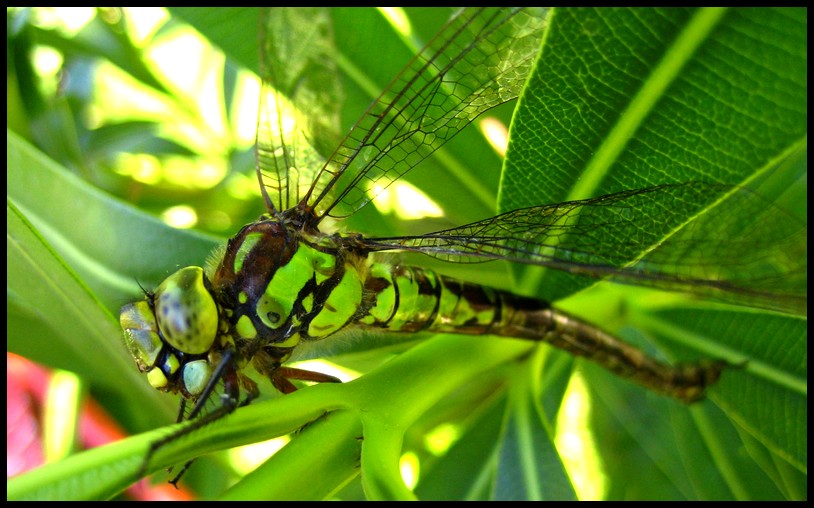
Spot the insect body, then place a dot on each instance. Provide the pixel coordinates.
(274, 288)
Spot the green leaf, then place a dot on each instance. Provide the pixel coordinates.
(55, 316)
(682, 94)
(747, 442)
(678, 95)
(529, 465)
(767, 397)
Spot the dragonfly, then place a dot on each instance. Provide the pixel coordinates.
(286, 279)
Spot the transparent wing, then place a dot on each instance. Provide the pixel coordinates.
(479, 60)
(299, 102)
(716, 241)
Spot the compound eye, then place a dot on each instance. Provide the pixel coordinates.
(186, 312)
(141, 334)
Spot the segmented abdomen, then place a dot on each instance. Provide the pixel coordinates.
(411, 299)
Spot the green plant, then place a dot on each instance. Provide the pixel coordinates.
(503, 396)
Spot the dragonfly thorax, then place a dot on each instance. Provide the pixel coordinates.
(278, 284)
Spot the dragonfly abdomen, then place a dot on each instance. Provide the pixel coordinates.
(684, 381)
(411, 299)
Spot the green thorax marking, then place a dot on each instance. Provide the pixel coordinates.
(410, 299)
(281, 287)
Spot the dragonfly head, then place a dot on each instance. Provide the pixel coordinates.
(171, 331)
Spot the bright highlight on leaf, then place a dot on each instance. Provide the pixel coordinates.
(409, 467)
(439, 439)
(405, 201)
(575, 442)
(495, 133)
(246, 459)
(398, 19)
(180, 216)
(61, 415)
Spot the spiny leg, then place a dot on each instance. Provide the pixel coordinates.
(280, 378)
(225, 370)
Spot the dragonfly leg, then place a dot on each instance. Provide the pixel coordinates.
(280, 378)
(224, 371)
(307, 375)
